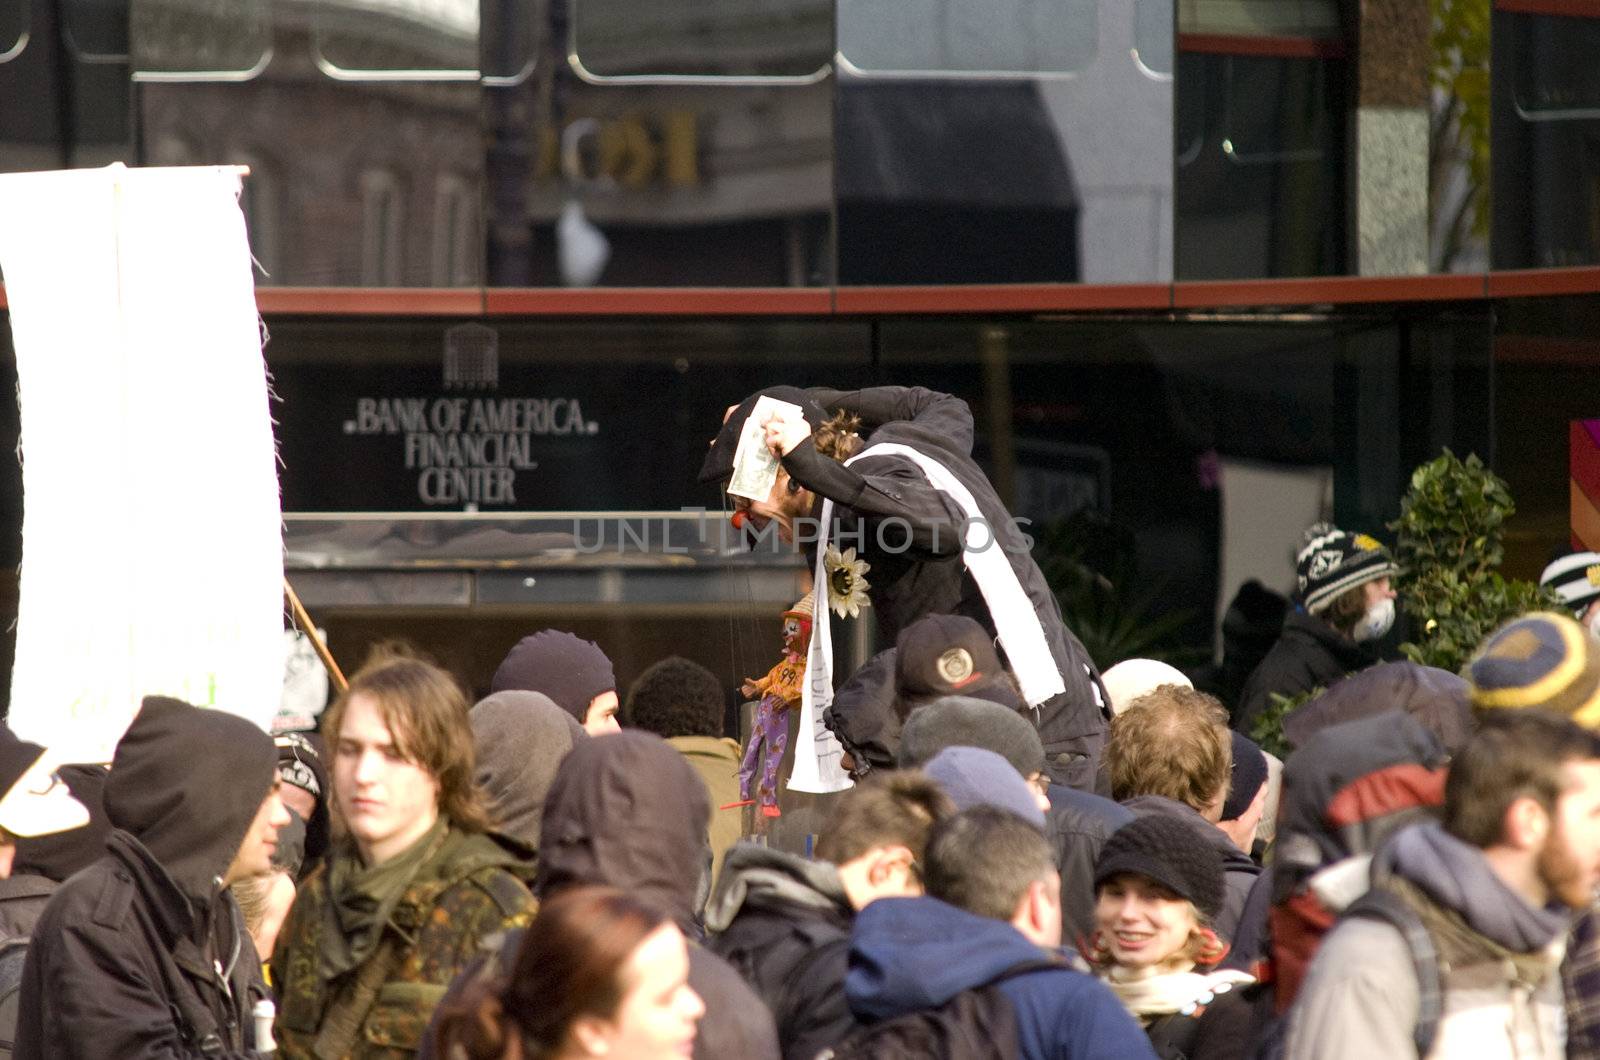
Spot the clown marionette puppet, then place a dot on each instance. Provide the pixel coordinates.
(779, 691)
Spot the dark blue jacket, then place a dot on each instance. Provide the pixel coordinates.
(910, 954)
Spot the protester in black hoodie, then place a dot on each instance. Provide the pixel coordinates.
(143, 953)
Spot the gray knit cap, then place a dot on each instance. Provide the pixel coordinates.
(961, 721)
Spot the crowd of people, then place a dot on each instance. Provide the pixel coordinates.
(1098, 866)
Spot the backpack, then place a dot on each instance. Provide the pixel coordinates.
(977, 1024)
(13, 954)
(1272, 1032)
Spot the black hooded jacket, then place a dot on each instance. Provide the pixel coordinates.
(626, 810)
(143, 954)
(784, 923)
(928, 576)
(1309, 654)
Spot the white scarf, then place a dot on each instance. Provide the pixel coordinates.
(1148, 993)
(816, 767)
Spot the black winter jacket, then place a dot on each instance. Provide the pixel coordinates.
(1078, 825)
(917, 567)
(783, 923)
(143, 954)
(129, 965)
(1309, 654)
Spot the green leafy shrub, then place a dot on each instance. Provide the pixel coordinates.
(1449, 546)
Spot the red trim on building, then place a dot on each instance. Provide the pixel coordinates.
(371, 301)
(1002, 298)
(659, 301)
(1327, 290)
(1559, 8)
(956, 299)
(1536, 283)
(1269, 47)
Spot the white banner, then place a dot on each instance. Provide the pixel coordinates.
(152, 557)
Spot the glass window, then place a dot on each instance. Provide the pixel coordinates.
(1260, 167)
(951, 36)
(382, 223)
(226, 40)
(1556, 75)
(455, 233)
(96, 31)
(1260, 18)
(1152, 35)
(782, 39)
(397, 39)
(14, 19)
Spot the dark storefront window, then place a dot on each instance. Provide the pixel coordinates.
(1261, 164)
(1546, 141)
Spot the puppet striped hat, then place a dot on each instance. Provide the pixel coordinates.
(1542, 660)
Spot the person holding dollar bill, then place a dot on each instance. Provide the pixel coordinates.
(880, 488)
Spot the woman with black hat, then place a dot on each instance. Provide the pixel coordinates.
(1157, 887)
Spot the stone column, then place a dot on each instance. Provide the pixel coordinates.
(1391, 137)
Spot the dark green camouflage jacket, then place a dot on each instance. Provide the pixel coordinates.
(469, 889)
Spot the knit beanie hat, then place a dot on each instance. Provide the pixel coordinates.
(1331, 561)
(1542, 660)
(567, 668)
(1249, 773)
(972, 776)
(1171, 853)
(956, 721)
(1575, 578)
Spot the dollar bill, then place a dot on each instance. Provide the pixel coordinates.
(755, 469)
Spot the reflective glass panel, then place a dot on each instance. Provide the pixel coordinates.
(224, 38)
(702, 38)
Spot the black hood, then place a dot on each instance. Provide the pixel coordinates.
(718, 464)
(628, 811)
(186, 783)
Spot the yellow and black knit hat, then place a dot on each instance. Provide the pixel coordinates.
(1331, 561)
(1541, 660)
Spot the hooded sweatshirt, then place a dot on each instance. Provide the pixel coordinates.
(913, 954)
(628, 811)
(784, 924)
(520, 739)
(143, 953)
(1498, 963)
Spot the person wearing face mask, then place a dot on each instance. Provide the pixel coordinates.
(1346, 603)
(1576, 579)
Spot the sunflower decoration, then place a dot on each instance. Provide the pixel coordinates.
(847, 581)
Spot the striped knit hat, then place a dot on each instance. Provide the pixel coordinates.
(1576, 579)
(1332, 561)
(1542, 660)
